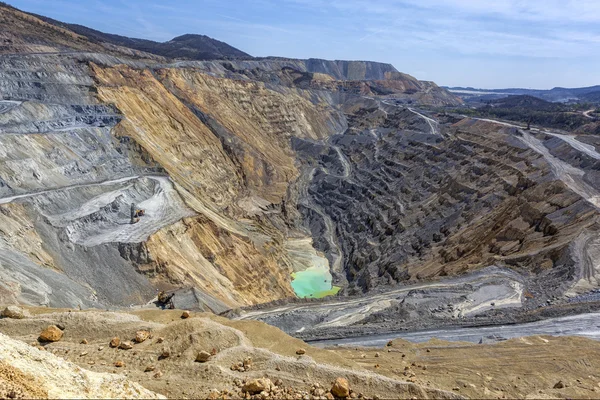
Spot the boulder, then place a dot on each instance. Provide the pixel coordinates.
(141, 336)
(203, 356)
(257, 385)
(115, 342)
(15, 312)
(51, 334)
(340, 387)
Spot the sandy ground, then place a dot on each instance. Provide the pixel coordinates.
(517, 368)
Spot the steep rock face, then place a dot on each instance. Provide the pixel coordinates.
(329, 77)
(82, 142)
(338, 70)
(170, 133)
(222, 264)
(351, 70)
(227, 145)
(256, 124)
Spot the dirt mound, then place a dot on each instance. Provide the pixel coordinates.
(166, 362)
(243, 351)
(28, 372)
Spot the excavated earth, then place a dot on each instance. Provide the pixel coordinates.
(205, 148)
(322, 197)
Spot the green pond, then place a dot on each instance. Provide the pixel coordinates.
(313, 282)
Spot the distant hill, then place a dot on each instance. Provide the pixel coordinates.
(592, 97)
(557, 94)
(527, 102)
(525, 108)
(194, 47)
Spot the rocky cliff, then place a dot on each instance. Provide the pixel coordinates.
(263, 179)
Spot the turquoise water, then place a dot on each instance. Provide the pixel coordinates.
(313, 282)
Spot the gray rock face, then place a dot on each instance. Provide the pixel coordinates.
(402, 201)
(350, 70)
(57, 160)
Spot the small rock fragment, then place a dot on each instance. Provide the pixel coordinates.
(84, 341)
(115, 342)
(60, 326)
(166, 353)
(149, 368)
(340, 387)
(126, 346)
(255, 386)
(203, 356)
(185, 314)
(119, 364)
(141, 336)
(559, 385)
(160, 340)
(300, 351)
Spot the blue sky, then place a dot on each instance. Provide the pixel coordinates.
(480, 43)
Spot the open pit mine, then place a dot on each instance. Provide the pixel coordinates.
(281, 200)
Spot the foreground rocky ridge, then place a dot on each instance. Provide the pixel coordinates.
(166, 361)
